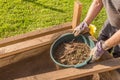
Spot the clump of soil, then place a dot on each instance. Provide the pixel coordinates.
(72, 53)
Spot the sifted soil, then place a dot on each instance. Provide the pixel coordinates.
(72, 53)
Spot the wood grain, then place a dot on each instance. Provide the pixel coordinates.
(35, 34)
(76, 14)
(72, 73)
(13, 50)
(22, 55)
(39, 62)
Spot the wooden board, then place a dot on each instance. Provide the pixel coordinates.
(39, 63)
(14, 50)
(72, 73)
(76, 14)
(108, 75)
(35, 34)
(22, 55)
(29, 44)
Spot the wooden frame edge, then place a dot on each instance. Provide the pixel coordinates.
(34, 34)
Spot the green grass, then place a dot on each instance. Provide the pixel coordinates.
(22, 16)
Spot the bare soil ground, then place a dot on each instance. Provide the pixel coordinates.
(72, 53)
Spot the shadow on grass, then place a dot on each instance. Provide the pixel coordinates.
(44, 6)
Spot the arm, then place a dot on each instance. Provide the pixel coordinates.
(95, 8)
(93, 11)
(101, 47)
(113, 41)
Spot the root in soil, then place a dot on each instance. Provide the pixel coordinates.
(72, 53)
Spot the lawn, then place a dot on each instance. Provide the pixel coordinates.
(22, 16)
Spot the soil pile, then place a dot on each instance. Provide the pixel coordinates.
(72, 53)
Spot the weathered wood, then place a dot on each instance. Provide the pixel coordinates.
(35, 34)
(72, 73)
(34, 65)
(29, 44)
(10, 51)
(76, 14)
(22, 55)
(109, 75)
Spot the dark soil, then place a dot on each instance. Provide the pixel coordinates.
(72, 53)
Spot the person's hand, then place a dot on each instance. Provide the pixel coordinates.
(81, 28)
(97, 51)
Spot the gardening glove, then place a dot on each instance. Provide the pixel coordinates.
(98, 51)
(81, 29)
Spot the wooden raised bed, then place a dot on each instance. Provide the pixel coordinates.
(26, 57)
(30, 59)
(13, 62)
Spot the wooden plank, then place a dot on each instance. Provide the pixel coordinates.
(22, 55)
(109, 75)
(37, 64)
(29, 44)
(34, 34)
(14, 50)
(71, 73)
(76, 14)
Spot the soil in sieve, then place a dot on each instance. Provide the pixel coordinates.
(72, 53)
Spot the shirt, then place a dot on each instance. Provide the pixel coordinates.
(113, 12)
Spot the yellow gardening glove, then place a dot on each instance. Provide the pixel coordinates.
(92, 29)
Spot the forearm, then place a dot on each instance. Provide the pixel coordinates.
(114, 40)
(93, 11)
